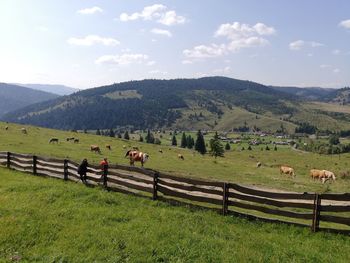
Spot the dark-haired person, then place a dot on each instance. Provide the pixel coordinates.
(82, 170)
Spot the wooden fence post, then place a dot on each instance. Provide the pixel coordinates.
(155, 186)
(8, 160)
(34, 164)
(316, 213)
(65, 169)
(105, 173)
(225, 188)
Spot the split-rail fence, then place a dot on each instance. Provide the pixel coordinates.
(329, 212)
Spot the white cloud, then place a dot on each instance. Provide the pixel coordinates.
(204, 51)
(156, 11)
(92, 40)
(296, 45)
(335, 51)
(345, 24)
(300, 44)
(161, 32)
(171, 18)
(90, 11)
(336, 70)
(238, 44)
(124, 59)
(238, 31)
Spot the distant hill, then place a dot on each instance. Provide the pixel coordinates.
(13, 97)
(52, 88)
(312, 93)
(187, 104)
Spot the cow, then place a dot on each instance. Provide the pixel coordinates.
(108, 147)
(137, 156)
(327, 175)
(160, 150)
(24, 130)
(180, 156)
(95, 148)
(258, 164)
(287, 170)
(70, 139)
(52, 140)
(76, 140)
(316, 174)
(6, 128)
(124, 146)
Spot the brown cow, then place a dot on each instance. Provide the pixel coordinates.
(316, 174)
(327, 175)
(258, 164)
(287, 170)
(24, 130)
(108, 147)
(76, 140)
(137, 156)
(52, 140)
(95, 148)
(6, 128)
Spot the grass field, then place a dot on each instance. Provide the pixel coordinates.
(237, 166)
(49, 220)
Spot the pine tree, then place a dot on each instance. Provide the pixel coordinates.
(190, 142)
(275, 148)
(183, 140)
(216, 148)
(111, 133)
(249, 148)
(174, 141)
(267, 148)
(200, 144)
(149, 137)
(126, 135)
(98, 132)
(227, 147)
(119, 135)
(141, 138)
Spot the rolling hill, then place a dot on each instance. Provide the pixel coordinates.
(188, 104)
(13, 97)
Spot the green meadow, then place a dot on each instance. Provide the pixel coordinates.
(237, 166)
(50, 220)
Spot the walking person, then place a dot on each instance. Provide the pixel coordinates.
(82, 170)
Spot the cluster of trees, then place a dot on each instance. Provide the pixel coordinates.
(306, 128)
(333, 146)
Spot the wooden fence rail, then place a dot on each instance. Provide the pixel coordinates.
(302, 209)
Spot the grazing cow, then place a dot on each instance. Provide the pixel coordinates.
(108, 147)
(258, 164)
(70, 139)
(316, 174)
(327, 175)
(160, 150)
(6, 128)
(76, 140)
(124, 146)
(52, 140)
(287, 170)
(180, 156)
(24, 130)
(95, 148)
(137, 156)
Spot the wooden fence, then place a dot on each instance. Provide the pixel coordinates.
(330, 212)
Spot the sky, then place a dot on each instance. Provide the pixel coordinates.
(90, 43)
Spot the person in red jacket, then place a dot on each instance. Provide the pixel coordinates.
(104, 168)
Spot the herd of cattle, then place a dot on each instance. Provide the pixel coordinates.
(135, 155)
(322, 175)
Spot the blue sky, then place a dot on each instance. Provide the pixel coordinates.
(85, 43)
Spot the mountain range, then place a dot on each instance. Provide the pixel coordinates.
(51, 88)
(13, 97)
(206, 103)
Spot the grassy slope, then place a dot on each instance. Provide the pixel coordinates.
(237, 166)
(48, 220)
